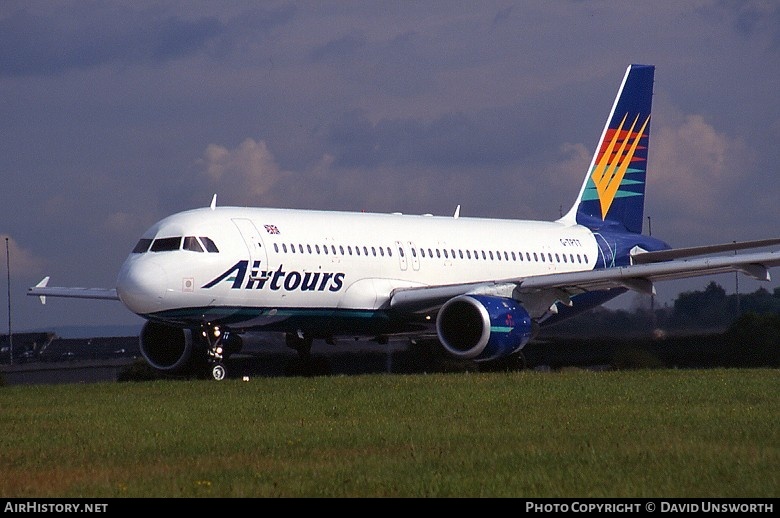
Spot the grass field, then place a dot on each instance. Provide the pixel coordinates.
(574, 433)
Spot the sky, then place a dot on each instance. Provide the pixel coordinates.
(114, 115)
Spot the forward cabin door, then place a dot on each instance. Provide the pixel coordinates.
(258, 258)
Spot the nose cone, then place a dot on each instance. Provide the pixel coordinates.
(141, 286)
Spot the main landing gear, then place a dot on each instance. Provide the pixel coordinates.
(305, 364)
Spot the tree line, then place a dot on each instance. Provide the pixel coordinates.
(700, 329)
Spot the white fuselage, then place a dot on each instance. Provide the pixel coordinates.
(277, 259)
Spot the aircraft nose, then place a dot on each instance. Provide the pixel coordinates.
(141, 286)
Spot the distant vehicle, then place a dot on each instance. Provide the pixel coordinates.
(25, 357)
(481, 287)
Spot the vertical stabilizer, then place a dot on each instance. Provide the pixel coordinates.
(614, 188)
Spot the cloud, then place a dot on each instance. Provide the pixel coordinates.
(33, 44)
(695, 168)
(245, 174)
(693, 158)
(452, 140)
(22, 261)
(502, 16)
(341, 48)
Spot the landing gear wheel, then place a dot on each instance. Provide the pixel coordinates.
(218, 372)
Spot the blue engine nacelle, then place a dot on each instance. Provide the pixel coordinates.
(480, 328)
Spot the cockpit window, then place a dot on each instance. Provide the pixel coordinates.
(169, 244)
(192, 244)
(166, 244)
(142, 246)
(209, 244)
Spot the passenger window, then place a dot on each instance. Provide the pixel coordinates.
(209, 244)
(142, 246)
(191, 244)
(166, 244)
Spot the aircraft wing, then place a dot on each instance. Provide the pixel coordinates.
(42, 290)
(641, 276)
(559, 286)
(678, 253)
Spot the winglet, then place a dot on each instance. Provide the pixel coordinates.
(43, 284)
(214, 201)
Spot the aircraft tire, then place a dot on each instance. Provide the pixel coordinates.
(218, 372)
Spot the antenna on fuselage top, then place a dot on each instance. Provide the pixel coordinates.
(457, 213)
(214, 201)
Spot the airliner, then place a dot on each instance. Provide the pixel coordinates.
(482, 288)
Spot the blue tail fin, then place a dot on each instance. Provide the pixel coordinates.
(614, 188)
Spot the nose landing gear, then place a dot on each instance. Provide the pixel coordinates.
(216, 352)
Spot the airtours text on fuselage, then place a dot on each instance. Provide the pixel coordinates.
(278, 279)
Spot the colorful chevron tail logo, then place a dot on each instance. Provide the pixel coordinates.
(614, 161)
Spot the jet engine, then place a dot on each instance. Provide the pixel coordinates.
(481, 328)
(166, 348)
